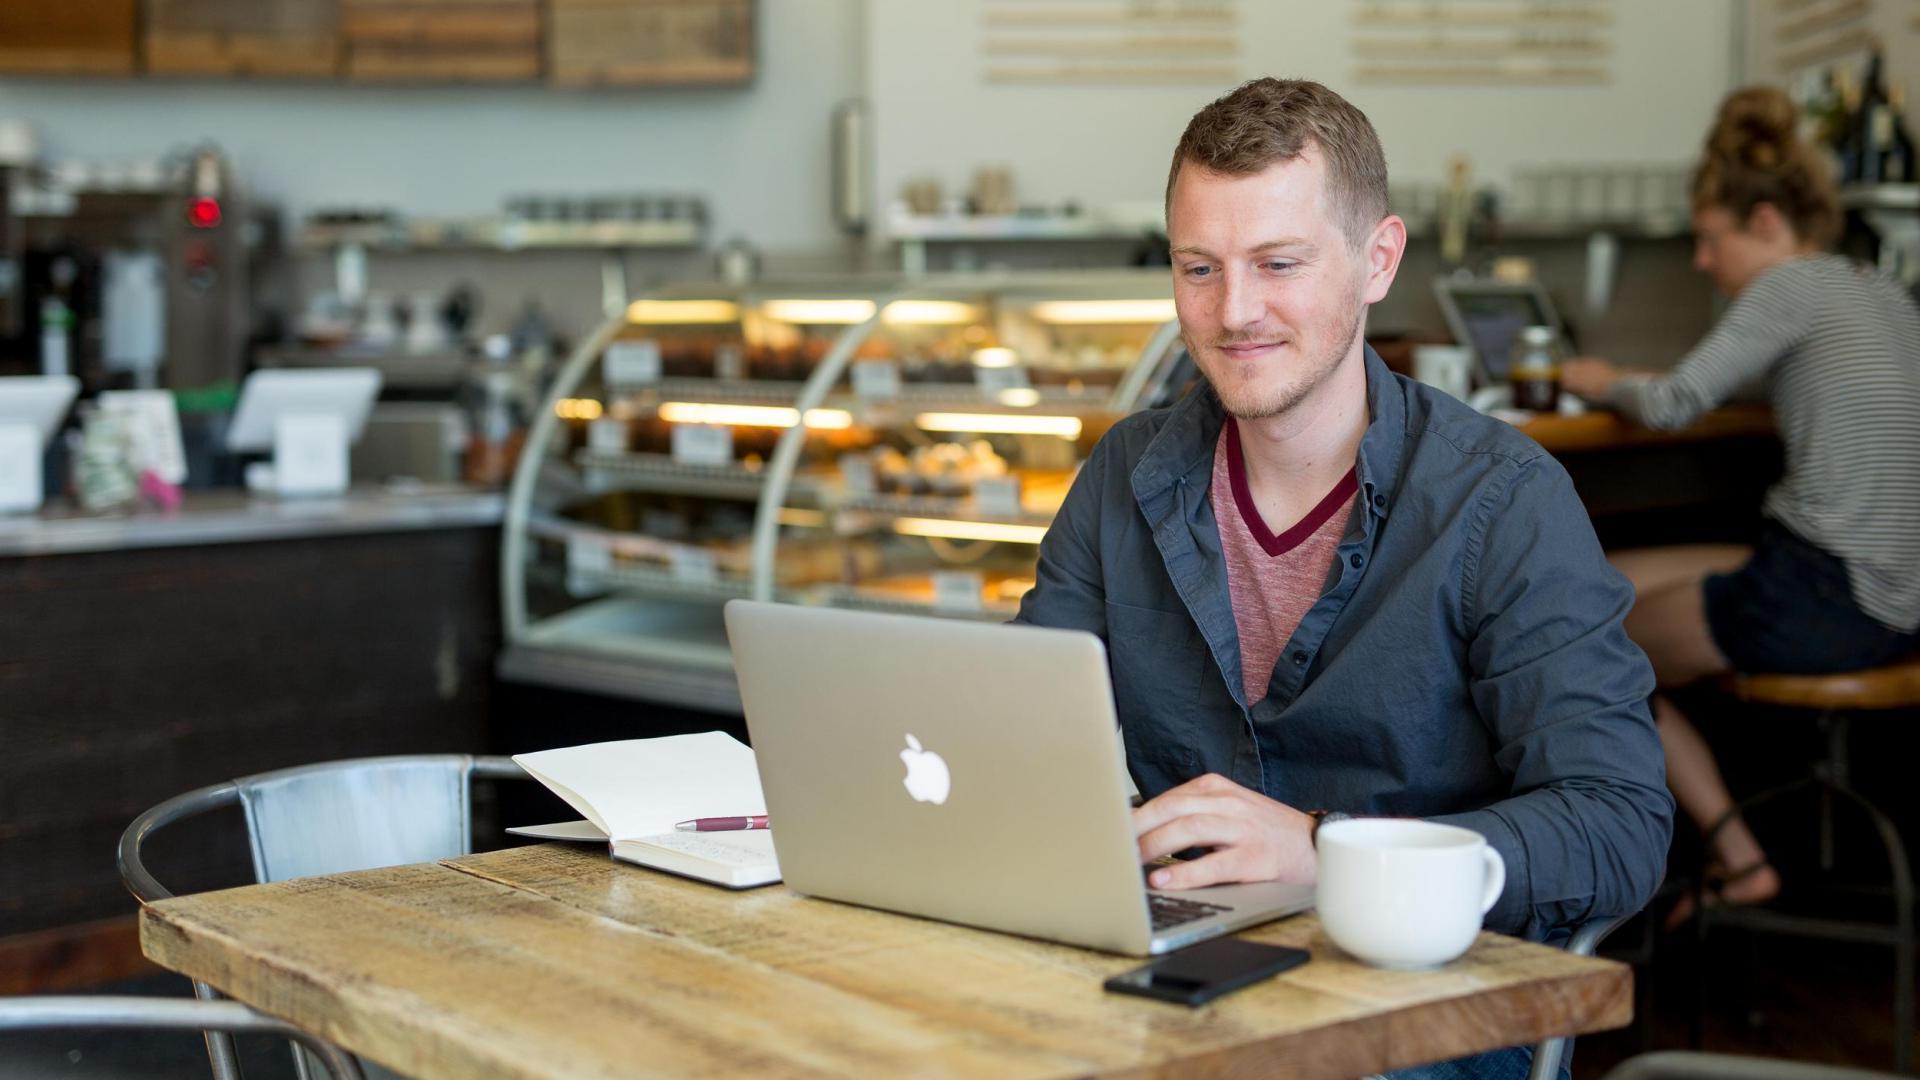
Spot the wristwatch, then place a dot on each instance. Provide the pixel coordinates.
(1323, 817)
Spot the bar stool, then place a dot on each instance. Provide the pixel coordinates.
(1837, 698)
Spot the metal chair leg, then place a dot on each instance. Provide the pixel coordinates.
(221, 1055)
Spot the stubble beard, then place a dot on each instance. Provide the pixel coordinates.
(1292, 394)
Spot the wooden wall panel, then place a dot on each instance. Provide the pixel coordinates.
(70, 37)
(129, 677)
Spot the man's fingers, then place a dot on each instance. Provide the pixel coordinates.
(1218, 867)
(1188, 831)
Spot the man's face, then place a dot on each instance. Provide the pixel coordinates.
(1271, 293)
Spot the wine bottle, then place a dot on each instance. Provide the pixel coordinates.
(1874, 121)
(1897, 165)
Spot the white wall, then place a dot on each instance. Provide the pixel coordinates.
(758, 154)
(935, 117)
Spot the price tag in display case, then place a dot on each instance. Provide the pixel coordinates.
(586, 556)
(633, 363)
(997, 496)
(958, 591)
(694, 565)
(607, 435)
(702, 444)
(993, 381)
(876, 380)
(856, 472)
(729, 361)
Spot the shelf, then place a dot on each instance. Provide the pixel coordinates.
(856, 598)
(937, 507)
(657, 651)
(660, 473)
(664, 584)
(1093, 225)
(504, 234)
(1882, 197)
(398, 371)
(914, 397)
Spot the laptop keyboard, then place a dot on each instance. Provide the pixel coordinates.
(1171, 911)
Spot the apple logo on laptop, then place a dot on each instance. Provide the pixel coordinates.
(927, 779)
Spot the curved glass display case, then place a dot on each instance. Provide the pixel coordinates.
(884, 443)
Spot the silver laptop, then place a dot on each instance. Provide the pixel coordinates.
(961, 771)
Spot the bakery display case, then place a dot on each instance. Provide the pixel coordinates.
(894, 444)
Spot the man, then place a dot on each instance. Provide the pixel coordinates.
(1324, 587)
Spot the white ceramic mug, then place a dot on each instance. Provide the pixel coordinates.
(1444, 367)
(1404, 893)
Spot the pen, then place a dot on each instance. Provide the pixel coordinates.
(722, 824)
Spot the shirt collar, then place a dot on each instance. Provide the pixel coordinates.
(1182, 451)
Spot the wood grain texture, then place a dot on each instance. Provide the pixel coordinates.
(549, 960)
(1606, 430)
(72, 957)
(1894, 686)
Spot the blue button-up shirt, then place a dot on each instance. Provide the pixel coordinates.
(1464, 663)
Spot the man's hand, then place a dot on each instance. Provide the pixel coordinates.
(1588, 376)
(1253, 838)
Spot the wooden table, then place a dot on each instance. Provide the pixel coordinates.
(556, 961)
(1604, 429)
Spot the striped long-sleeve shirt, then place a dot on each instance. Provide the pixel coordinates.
(1842, 346)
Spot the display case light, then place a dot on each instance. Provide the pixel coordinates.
(1066, 427)
(819, 312)
(929, 313)
(970, 530)
(577, 409)
(683, 312)
(995, 356)
(1090, 312)
(1020, 397)
(775, 416)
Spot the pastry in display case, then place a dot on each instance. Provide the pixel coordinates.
(883, 443)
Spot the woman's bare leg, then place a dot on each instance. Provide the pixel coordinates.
(1655, 568)
(1669, 622)
(1702, 794)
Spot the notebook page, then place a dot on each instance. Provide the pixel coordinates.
(641, 787)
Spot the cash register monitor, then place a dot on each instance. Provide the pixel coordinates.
(267, 396)
(1487, 317)
(39, 402)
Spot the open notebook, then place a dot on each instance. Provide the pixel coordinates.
(631, 792)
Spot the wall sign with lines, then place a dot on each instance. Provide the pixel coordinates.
(1106, 42)
(1483, 41)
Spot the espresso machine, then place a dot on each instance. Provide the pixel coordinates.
(133, 275)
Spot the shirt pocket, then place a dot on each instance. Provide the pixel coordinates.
(1159, 665)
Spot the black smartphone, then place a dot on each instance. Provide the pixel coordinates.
(1197, 975)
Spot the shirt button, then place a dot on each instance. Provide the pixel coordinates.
(1379, 500)
(1354, 561)
(1299, 658)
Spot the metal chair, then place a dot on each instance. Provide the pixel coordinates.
(164, 1014)
(1548, 1055)
(328, 818)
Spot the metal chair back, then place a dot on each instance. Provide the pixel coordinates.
(328, 818)
(164, 1014)
(1548, 1055)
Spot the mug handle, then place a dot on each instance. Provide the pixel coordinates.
(1496, 878)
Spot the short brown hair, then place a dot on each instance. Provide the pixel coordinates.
(1268, 121)
(1755, 155)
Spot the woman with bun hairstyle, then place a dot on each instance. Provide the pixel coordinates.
(1832, 583)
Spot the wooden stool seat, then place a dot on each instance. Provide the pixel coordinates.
(1895, 686)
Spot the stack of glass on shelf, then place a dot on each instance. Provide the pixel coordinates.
(881, 443)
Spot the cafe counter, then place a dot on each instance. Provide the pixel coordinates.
(146, 654)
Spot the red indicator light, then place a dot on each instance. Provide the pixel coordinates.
(203, 213)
